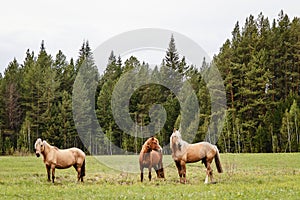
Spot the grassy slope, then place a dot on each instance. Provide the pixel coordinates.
(246, 176)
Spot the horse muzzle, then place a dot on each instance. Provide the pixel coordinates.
(37, 154)
(159, 150)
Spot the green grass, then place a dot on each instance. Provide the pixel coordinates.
(246, 176)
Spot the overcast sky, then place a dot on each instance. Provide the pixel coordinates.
(64, 25)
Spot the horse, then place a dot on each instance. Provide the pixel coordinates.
(183, 152)
(55, 158)
(151, 156)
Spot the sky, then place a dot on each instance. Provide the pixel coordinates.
(64, 25)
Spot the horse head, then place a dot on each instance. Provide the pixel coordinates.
(175, 139)
(153, 144)
(39, 147)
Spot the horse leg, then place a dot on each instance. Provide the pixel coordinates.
(208, 173)
(53, 172)
(183, 171)
(78, 170)
(48, 172)
(211, 173)
(204, 161)
(156, 171)
(79, 174)
(149, 176)
(206, 178)
(161, 170)
(82, 170)
(179, 168)
(142, 173)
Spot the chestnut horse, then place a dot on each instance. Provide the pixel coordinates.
(60, 158)
(151, 156)
(183, 152)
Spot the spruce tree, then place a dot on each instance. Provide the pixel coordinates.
(12, 112)
(172, 56)
(84, 94)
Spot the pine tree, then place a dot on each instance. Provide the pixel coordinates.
(113, 69)
(68, 77)
(294, 47)
(60, 62)
(27, 135)
(67, 132)
(84, 94)
(172, 56)
(11, 83)
(11, 100)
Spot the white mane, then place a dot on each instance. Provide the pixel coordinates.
(38, 141)
(179, 146)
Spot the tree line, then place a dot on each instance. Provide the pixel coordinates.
(261, 68)
(50, 97)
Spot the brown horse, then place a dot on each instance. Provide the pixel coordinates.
(151, 156)
(183, 152)
(60, 158)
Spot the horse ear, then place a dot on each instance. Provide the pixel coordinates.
(174, 130)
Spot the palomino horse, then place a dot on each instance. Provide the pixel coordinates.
(60, 158)
(183, 152)
(151, 156)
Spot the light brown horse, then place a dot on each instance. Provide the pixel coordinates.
(151, 156)
(183, 152)
(55, 158)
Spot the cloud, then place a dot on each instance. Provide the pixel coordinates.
(65, 24)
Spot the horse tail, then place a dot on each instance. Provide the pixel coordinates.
(83, 169)
(218, 161)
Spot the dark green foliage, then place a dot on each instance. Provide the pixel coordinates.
(260, 66)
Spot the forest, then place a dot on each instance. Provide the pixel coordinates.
(260, 66)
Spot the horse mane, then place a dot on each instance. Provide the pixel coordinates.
(39, 140)
(45, 142)
(48, 146)
(145, 147)
(56, 148)
(181, 144)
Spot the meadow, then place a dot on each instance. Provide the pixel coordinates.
(246, 176)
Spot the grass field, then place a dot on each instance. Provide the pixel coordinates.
(246, 176)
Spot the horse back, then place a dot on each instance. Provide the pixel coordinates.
(198, 151)
(68, 157)
(78, 154)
